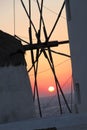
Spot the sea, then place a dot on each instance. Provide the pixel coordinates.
(50, 105)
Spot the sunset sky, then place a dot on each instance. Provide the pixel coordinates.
(50, 11)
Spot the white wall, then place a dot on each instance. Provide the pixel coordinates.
(15, 94)
(69, 122)
(77, 26)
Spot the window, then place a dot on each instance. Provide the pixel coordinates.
(77, 87)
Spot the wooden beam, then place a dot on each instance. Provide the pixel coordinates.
(40, 45)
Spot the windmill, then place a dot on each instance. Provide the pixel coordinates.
(42, 48)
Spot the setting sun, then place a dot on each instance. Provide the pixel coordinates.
(51, 89)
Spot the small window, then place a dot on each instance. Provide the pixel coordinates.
(77, 87)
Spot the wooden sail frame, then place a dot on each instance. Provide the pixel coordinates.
(42, 48)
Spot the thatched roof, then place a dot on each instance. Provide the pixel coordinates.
(11, 50)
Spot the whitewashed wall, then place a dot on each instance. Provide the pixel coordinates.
(15, 94)
(77, 27)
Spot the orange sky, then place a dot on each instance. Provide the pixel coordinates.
(62, 64)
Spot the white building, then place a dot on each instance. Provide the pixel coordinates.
(77, 28)
(16, 101)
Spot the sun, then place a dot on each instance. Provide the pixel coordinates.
(51, 89)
